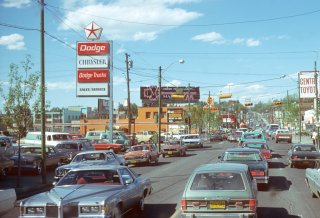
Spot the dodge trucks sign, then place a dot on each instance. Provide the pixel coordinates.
(93, 69)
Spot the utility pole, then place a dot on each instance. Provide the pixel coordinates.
(317, 104)
(159, 111)
(43, 104)
(128, 66)
(189, 112)
(299, 108)
(209, 115)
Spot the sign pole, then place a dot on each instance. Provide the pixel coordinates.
(111, 96)
(299, 108)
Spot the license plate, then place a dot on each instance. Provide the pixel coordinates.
(217, 205)
(169, 152)
(133, 161)
(305, 162)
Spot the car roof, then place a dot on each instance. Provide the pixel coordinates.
(94, 151)
(99, 167)
(242, 150)
(222, 166)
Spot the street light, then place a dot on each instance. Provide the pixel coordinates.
(181, 61)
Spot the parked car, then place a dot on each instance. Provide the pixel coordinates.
(31, 157)
(262, 146)
(6, 146)
(313, 180)
(220, 190)
(192, 140)
(216, 136)
(145, 136)
(282, 135)
(88, 159)
(173, 148)
(52, 138)
(252, 157)
(142, 154)
(98, 191)
(103, 144)
(303, 155)
(74, 147)
(6, 165)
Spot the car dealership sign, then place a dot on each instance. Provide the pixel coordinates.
(93, 73)
(307, 84)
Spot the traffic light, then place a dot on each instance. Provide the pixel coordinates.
(276, 103)
(247, 104)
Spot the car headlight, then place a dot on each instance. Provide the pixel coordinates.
(35, 210)
(89, 209)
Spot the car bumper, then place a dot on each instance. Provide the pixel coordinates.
(170, 152)
(304, 161)
(262, 180)
(220, 215)
(137, 161)
(193, 145)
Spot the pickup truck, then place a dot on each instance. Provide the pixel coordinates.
(145, 136)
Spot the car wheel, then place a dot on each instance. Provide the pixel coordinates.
(156, 161)
(39, 168)
(291, 165)
(149, 161)
(163, 155)
(140, 206)
(116, 212)
(289, 141)
(276, 141)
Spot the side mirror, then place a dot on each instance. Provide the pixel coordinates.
(54, 183)
(128, 181)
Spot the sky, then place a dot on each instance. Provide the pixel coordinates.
(252, 49)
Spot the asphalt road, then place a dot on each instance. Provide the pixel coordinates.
(286, 197)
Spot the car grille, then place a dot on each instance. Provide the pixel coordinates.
(169, 149)
(70, 210)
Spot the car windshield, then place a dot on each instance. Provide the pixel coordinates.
(191, 137)
(59, 137)
(304, 148)
(106, 177)
(242, 156)
(31, 150)
(218, 181)
(252, 136)
(89, 157)
(140, 148)
(283, 131)
(256, 145)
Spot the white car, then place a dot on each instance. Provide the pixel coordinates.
(192, 140)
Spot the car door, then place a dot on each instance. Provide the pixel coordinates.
(50, 157)
(131, 191)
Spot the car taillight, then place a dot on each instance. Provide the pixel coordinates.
(294, 156)
(257, 173)
(252, 204)
(183, 204)
(267, 155)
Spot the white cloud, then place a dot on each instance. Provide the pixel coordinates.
(16, 3)
(239, 41)
(255, 88)
(173, 83)
(13, 42)
(128, 20)
(61, 85)
(252, 42)
(118, 80)
(212, 37)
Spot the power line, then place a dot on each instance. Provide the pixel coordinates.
(198, 25)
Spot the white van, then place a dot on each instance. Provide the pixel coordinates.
(52, 138)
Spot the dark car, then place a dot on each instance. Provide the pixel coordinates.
(89, 159)
(5, 165)
(73, 147)
(253, 158)
(31, 157)
(303, 155)
(262, 146)
(216, 136)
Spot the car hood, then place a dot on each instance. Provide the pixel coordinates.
(86, 163)
(135, 153)
(69, 193)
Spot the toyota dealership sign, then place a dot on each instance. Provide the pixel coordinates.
(93, 66)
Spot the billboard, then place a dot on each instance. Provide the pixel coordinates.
(149, 94)
(175, 115)
(307, 84)
(93, 69)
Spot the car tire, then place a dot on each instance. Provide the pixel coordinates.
(39, 168)
(163, 155)
(140, 206)
(290, 141)
(291, 165)
(276, 141)
(156, 161)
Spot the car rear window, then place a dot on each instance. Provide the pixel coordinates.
(242, 156)
(218, 181)
(255, 145)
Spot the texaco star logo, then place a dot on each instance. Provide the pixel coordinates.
(93, 31)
